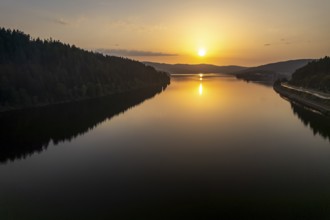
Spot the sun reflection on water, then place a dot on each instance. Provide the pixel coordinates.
(200, 90)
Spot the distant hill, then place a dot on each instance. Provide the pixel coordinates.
(315, 75)
(36, 72)
(273, 71)
(194, 68)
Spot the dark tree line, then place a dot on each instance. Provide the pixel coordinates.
(40, 72)
(315, 75)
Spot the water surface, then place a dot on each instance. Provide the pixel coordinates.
(207, 145)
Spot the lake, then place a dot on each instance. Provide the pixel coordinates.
(207, 145)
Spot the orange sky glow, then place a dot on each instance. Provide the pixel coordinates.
(231, 32)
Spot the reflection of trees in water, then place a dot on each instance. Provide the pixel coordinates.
(25, 132)
(319, 124)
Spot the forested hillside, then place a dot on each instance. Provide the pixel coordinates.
(271, 72)
(315, 75)
(37, 72)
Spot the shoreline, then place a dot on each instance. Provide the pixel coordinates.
(42, 105)
(305, 100)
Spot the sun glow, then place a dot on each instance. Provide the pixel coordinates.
(201, 52)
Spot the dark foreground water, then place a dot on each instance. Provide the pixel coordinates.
(205, 147)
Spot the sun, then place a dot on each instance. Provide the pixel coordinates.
(201, 52)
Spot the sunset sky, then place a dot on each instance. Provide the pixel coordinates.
(240, 32)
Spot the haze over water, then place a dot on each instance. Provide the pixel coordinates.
(208, 144)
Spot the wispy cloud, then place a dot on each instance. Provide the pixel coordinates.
(60, 21)
(133, 24)
(72, 22)
(133, 53)
(282, 41)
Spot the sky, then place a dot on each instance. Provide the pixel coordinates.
(232, 32)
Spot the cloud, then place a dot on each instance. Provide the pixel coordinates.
(54, 20)
(135, 25)
(282, 41)
(73, 22)
(60, 21)
(134, 53)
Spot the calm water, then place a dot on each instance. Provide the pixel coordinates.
(205, 146)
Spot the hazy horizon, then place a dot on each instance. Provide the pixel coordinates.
(230, 33)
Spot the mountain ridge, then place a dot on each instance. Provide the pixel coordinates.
(194, 68)
(280, 68)
(269, 73)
